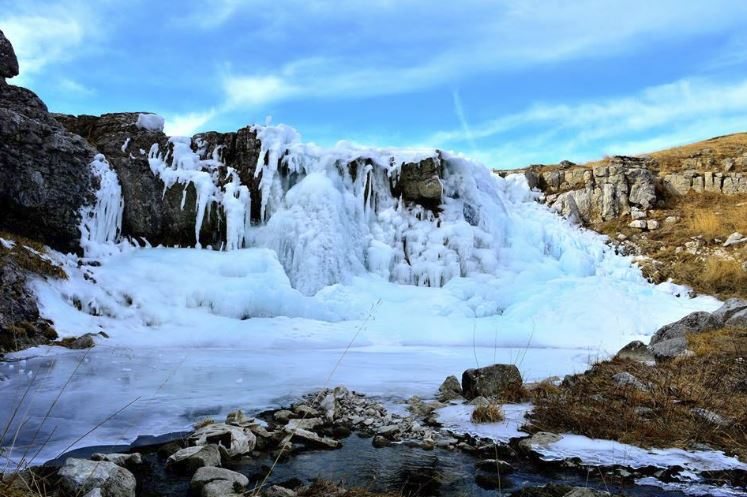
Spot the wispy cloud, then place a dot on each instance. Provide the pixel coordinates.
(668, 114)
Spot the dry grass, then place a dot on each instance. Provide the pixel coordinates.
(28, 254)
(202, 423)
(716, 149)
(672, 408)
(488, 413)
(707, 220)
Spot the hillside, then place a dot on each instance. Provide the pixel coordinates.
(682, 211)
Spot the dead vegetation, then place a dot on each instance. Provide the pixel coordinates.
(30, 256)
(687, 402)
(488, 413)
(689, 251)
(709, 154)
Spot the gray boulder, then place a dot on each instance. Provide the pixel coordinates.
(222, 488)
(695, 322)
(81, 476)
(737, 320)
(8, 60)
(450, 389)
(119, 459)
(667, 349)
(496, 381)
(731, 307)
(636, 351)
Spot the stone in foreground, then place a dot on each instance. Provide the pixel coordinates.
(81, 476)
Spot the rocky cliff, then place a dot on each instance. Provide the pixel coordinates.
(46, 177)
(621, 187)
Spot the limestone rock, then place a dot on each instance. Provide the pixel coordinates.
(728, 309)
(120, 459)
(496, 381)
(80, 476)
(150, 212)
(735, 239)
(208, 474)
(191, 458)
(231, 440)
(625, 379)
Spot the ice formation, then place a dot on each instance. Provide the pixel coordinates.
(337, 268)
(330, 213)
(101, 223)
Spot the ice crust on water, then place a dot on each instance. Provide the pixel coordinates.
(337, 261)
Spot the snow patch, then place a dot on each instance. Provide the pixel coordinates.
(458, 419)
(150, 122)
(597, 452)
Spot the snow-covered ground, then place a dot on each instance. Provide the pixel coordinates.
(341, 285)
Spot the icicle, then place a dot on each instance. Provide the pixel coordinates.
(101, 223)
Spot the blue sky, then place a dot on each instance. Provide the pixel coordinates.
(509, 82)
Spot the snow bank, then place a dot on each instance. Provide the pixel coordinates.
(151, 122)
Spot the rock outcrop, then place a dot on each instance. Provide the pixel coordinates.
(151, 212)
(45, 170)
(8, 60)
(606, 191)
(622, 186)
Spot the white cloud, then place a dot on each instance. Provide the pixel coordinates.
(655, 118)
(359, 49)
(187, 124)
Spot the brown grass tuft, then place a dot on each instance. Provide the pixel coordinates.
(29, 255)
(487, 413)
